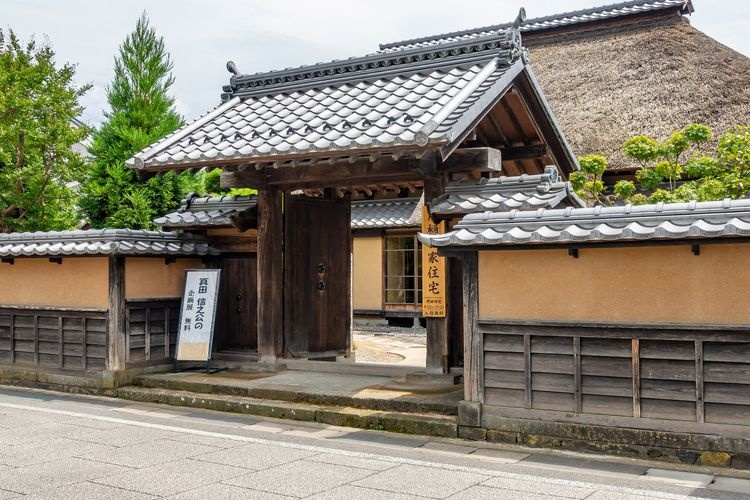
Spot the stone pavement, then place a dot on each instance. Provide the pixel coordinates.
(61, 446)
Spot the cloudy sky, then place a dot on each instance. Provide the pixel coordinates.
(202, 35)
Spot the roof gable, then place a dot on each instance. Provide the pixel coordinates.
(424, 98)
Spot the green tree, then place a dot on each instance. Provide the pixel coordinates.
(678, 169)
(588, 181)
(142, 112)
(38, 102)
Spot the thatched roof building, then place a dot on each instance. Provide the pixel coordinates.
(625, 69)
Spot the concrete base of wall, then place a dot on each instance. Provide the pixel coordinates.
(91, 381)
(675, 447)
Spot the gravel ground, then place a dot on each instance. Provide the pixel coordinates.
(387, 344)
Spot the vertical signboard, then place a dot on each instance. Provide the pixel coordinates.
(197, 315)
(433, 272)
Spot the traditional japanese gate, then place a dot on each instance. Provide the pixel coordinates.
(380, 126)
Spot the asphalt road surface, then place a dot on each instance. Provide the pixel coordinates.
(62, 446)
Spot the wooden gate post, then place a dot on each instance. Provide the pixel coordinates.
(270, 278)
(116, 334)
(437, 328)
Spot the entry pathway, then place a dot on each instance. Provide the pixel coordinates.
(61, 446)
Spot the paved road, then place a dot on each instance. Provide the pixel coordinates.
(61, 446)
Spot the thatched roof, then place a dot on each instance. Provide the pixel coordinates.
(647, 78)
(635, 67)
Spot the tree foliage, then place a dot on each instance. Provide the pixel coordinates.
(679, 168)
(38, 103)
(142, 112)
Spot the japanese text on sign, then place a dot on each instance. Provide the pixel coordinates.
(197, 316)
(433, 272)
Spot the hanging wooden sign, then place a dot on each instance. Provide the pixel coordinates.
(433, 272)
(197, 315)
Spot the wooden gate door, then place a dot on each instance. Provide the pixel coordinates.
(317, 277)
(236, 315)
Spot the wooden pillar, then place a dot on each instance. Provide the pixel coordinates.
(437, 328)
(269, 280)
(116, 328)
(349, 269)
(473, 341)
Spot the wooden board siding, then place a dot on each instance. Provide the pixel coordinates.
(151, 328)
(675, 373)
(317, 270)
(55, 338)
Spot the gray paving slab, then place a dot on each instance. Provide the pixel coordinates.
(678, 477)
(485, 492)
(87, 491)
(172, 477)
(360, 463)
(7, 495)
(272, 427)
(42, 432)
(316, 433)
(126, 435)
(309, 478)
(731, 484)
(579, 463)
(382, 439)
(349, 492)
(212, 441)
(220, 491)
(434, 446)
(499, 455)
(618, 495)
(254, 456)
(538, 487)
(420, 480)
(54, 474)
(46, 451)
(147, 454)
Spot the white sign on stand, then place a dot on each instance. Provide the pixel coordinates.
(198, 314)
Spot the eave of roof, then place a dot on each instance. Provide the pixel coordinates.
(413, 101)
(387, 213)
(102, 242)
(500, 194)
(580, 17)
(671, 221)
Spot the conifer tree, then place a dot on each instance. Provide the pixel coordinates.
(142, 112)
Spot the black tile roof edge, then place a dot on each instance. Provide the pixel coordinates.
(687, 7)
(662, 212)
(100, 235)
(505, 46)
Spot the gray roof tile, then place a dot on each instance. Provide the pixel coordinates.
(102, 242)
(380, 214)
(670, 221)
(380, 101)
(572, 18)
(206, 211)
(501, 194)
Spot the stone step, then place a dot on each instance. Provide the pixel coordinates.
(280, 393)
(406, 423)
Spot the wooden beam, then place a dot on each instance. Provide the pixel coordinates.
(363, 171)
(269, 280)
(473, 340)
(116, 345)
(473, 159)
(525, 152)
